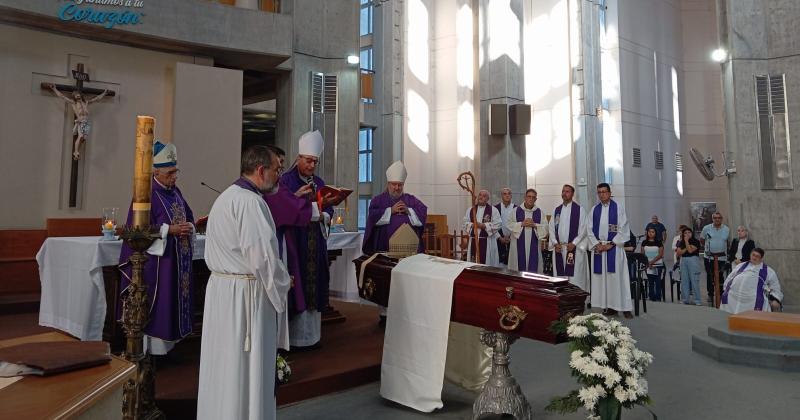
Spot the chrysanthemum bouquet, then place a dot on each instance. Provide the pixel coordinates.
(282, 369)
(609, 368)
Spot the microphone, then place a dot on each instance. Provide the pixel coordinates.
(210, 187)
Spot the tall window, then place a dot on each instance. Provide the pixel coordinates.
(365, 155)
(366, 17)
(365, 59)
(363, 209)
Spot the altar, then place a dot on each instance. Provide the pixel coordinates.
(75, 297)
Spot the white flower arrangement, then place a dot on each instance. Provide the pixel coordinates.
(282, 370)
(608, 366)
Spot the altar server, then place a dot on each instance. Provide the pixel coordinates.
(752, 286)
(486, 219)
(608, 231)
(525, 253)
(168, 270)
(246, 292)
(567, 234)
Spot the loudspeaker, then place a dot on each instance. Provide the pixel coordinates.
(519, 119)
(498, 119)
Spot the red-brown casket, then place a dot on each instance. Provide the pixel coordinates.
(495, 299)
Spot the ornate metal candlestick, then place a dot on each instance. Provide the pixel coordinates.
(501, 394)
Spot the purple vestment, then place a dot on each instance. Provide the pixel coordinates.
(376, 238)
(306, 248)
(482, 235)
(532, 265)
(574, 221)
(611, 254)
(170, 285)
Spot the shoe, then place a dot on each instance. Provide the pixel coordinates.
(382, 322)
(628, 314)
(699, 303)
(609, 312)
(686, 303)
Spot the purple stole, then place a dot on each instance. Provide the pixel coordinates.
(533, 255)
(611, 254)
(487, 218)
(762, 278)
(574, 221)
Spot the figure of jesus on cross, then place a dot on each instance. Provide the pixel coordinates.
(80, 106)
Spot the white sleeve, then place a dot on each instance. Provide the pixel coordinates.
(314, 212)
(622, 226)
(159, 245)
(581, 226)
(493, 226)
(551, 229)
(593, 241)
(387, 216)
(773, 284)
(412, 217)
(467, 221)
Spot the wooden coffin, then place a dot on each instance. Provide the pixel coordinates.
(495, 299)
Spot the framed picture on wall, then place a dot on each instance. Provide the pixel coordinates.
(701, 214)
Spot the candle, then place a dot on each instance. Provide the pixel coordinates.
(143, 171)
(108, 225)
(339, 220)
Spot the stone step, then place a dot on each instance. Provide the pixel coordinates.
(760, 341)
(785, 360)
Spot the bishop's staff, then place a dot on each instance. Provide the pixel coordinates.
(466, 180)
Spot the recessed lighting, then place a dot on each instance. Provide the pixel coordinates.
(719, 55)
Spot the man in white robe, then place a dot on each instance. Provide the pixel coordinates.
(608, 230)
(487, 221)
(525, 224)
(752, 286)
(246, 292)
(507, 208)
(567, 234)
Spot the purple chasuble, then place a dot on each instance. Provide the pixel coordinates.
(308, 248)
(289, 211)
(533, 255)
(762, 278)
(487, 218)
(376, 238)
(170, 285)
(613, 227)
(574, 221)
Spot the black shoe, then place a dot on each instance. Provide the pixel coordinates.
(382, 322)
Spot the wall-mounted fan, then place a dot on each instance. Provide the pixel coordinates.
(706, 165)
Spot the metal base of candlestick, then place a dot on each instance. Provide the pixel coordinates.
(501, 394)
(138, 398)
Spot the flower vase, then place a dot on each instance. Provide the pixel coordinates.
(608, 408)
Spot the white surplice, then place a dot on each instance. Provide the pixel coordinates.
(516, 231)
(610, 290)
(743, 289)
(581, 277)
(492, 229)
(246, 291)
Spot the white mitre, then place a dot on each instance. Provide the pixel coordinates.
(311, 144)
(164, 154)
(397, 172)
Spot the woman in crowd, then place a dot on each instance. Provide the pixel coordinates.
(653, 249)
(689, 252)
(741, 247)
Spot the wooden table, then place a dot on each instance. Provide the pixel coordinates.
(88, 393)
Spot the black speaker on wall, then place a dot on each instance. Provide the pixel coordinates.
(519, 119)
(498, 119)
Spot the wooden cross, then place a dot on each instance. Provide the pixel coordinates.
(81, 123)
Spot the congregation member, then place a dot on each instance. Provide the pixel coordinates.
(507, 208)
(752, 286)
(675, 240)
(525, 253)
(653, 249)
(567, 234)
(390, 210)
(309, 296)
(608, 230)
(661, 230)
(741, 247)
(168, 270)
(246, 292)
(485, 220)
(688, 252)
(715, 236)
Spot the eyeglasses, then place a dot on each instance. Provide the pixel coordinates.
(310, 159)
(173, 172)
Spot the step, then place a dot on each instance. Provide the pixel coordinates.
(773, 323)
(19, 303)
(760, 341)
(785, 360)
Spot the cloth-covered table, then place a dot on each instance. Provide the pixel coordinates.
(344, 285)
(73, 292)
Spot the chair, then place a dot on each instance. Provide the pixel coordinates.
(639, 280)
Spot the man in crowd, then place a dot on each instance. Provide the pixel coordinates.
(752, 286)
(607, 232)
(246, 292)
(485, 219)
(567, 232)
(168, 270)
(525, 253)
(715, 236)
(507, 210)
(661, 230)
(392, 209)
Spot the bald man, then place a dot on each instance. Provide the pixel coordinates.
(485, 220)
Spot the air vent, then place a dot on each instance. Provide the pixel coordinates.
(773, 132)
(637, 157)
(316, 91)
(678, 162)
(659, 157)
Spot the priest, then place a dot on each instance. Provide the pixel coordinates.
(752, 286)
(245, 295)
(309, 296)
(485, 220)
(567, 233)
(525, 253)
(507, 208)
(168, 270)
(607, 232)
(392, 209)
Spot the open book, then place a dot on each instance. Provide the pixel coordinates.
(339, 192)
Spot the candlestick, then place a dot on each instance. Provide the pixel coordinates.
(143, 171)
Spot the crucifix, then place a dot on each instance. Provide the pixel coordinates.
(82, 125)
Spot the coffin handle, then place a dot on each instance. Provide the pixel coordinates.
(511, 316)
